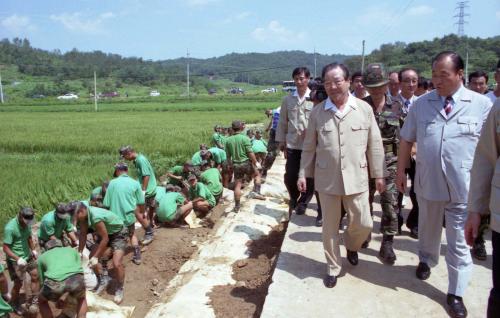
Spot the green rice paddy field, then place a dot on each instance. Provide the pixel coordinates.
(57, 153)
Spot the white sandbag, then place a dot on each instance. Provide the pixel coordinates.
(101, 308)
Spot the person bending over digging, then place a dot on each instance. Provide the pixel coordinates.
(201, 198)
(61, 279)
(54, 225)
(112, 233)
(240, 155)
(171, 206)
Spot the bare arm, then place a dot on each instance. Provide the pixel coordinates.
(9, 252)
(404, 154)
(84, 228)
(145, 181)
(103, 233)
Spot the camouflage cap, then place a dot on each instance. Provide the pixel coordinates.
(125, 150)
(191, 177)
(122, 166)
(375, 75)
(237, 124)
(204, 153)
(27, 212)
(50, 244)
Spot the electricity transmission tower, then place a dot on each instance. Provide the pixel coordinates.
(461, 6)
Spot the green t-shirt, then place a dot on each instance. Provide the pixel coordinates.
(50, 264)
(160, 193)
(52, 225)
(217, 137)
(201, 191)
(218, 155)
(168, 205)
(112, 222)
(259, 146)
(196, 159)
(237, 148)
(17, 238)
(212, 179)
(177, 171)
(145, 169)
(122, 197)
(4, 306)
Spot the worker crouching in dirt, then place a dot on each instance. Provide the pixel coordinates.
(201, 198)
(61, 279)
(112, 234)
(171, 206)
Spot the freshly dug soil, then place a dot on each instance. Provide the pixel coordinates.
(253, 275)
(161, 260)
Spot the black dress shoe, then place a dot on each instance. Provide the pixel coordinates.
(352, 257)
(423, 271)
(301, 209)
(414, 232)
(330, 281)
(455, 306)
(319, 222)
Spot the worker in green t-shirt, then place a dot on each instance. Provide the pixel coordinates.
(98, 194)
(147, 179)
(112, 233)
(5, 308)
(212, 178)
(217, 137)
(55, 224)
(240, 155)
(259, 147)
(125, 198)
(61, 279)
(201, 198)
(218, 158)
(21, 256)
(178, 175)
(172, 206)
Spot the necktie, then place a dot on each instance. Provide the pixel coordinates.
(407, 104)
(448, 104)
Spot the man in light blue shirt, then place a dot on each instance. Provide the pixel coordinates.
(446, 124)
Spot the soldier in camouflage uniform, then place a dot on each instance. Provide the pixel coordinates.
(388, 113)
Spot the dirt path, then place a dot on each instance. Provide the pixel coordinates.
(253, 275)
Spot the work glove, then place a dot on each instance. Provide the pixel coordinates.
(93, 261)
(21, 262)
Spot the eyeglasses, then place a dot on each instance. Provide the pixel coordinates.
(337, 82)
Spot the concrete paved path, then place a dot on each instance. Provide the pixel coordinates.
(370, 289)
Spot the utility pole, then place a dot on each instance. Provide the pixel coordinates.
(363, 58)
(95, 90)
(1, 88)
(188, 73)
(461, 6)
(314, 62)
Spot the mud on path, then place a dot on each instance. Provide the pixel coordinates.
(161, 260)
(253, 275)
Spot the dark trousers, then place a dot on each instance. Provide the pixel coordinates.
(292, 167)
(412, 220)
(494, 300)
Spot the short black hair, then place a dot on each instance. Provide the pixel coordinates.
(478, 74)
(423, 82)
(456, 59)
(327, 68)
(300, 70)
(356, 74)
(405, 69)
(392, 72)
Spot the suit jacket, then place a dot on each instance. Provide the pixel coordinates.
(339, 148)
(446, 143)
(484, 194)
(293, 121)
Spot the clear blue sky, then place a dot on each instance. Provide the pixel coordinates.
(154, 29)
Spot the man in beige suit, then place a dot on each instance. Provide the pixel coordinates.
(342, 142)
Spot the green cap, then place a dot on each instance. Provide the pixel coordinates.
(375, 75)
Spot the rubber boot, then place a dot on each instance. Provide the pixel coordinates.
(386, 251)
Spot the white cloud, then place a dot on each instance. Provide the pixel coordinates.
(17, 24)
(78, 23)
(275, 31)
(198, 3)
(420, 10)
(237, 17)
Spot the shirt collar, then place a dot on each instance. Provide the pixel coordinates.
(455, 96)
(330, 105)
(296, 94)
